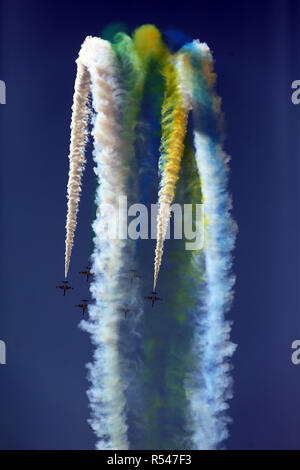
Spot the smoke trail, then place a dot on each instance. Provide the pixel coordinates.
(79, 121)
(209, 387)
(106, 394)
(160, 380)
(174, 122)
(212, 388)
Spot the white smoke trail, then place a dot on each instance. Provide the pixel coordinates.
(209, 388)
(106, 394)
(80, 115)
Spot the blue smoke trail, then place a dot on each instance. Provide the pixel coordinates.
(210, 387)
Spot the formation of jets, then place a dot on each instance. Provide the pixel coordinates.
(65, 287)
(126, 310)
(153, 298)
(84, 305)
(133, 275)
(87, 273)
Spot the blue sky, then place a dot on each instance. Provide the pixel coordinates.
(43, 401)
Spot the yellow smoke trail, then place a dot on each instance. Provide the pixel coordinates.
(150, 48)
(148, 45)
(76, 156)
(174, 123)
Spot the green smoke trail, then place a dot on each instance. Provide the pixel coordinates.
(166, 341)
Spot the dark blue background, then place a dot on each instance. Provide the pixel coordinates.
(43, 403)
